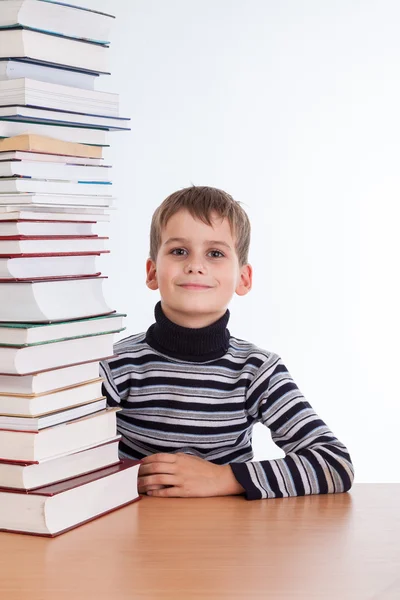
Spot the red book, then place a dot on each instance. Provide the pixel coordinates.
(54, 509)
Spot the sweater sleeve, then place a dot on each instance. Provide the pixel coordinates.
(316, 462)
(109, 387)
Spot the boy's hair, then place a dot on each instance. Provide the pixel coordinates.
(201, 202)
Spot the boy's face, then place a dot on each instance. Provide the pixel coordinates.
(197, 270)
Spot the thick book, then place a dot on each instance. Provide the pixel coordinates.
(13, 185)
(22, 334)
(64, 19)
(48, 145)
(29, 114)
(61, 201)
(34, 213)
(54, 509)
(54, 228)
(51, 171)
(31, 246)
(51, 380)
(51, 355)
(14, 69)
(40, 404)
(71, 134)
(50, 49)
(60, 439)
(31, 475)
(35, 423)
(27, 156)
(29, 92)
(49, 266)
(43, 301)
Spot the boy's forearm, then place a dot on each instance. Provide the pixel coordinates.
(229, 484)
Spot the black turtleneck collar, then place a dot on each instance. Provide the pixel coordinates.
(186, 343)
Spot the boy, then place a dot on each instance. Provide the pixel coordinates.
(190, 393)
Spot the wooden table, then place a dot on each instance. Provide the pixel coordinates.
(339, 547)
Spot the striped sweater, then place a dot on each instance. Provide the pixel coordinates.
(208, 408)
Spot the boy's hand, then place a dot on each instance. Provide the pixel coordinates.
(183, 475)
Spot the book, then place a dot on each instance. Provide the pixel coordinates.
(29, 246)
(24, 155)
(72, 134)
(50, 171)
(56, 300)
(22, 334)
(23, 360)
(49, 49)
(60, 439)
(28, 475)
(45, 228)
(12, 185)
(28, 114)
(45, 403)
(14, 69)
(51, 380)
(64, 19)
(59, 507)
(59, 200)
(59, 212)
(49, 266)
(48, 145)
(35, 423)
(31, 475)
(34, 93)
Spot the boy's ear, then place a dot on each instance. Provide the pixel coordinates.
(245, 281)
(151, 274)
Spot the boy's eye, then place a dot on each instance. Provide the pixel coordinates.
(178, 251)
(216, 254)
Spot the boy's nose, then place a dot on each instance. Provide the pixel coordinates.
(194, 268)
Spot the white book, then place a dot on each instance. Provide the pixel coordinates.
(51, 245)
(81, 135)
(38, 422)
(28, 476)
(41, 267)
(52, 355)
(41, 186)
(59, 117)
(45, 228)
(15, 69)
(25, 155)
(53, 50)
(60, 439)
(54, 300)
(59, 97)
(46, 200)
(32, 213)
(20, 334)
(53, 509)
(64, 19)
(54, 401)
(50, 171)
(51, 380)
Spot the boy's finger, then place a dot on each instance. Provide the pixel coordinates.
(160, 457)
(156, 467)
(168, 492)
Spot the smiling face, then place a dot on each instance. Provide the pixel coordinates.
(197, 270)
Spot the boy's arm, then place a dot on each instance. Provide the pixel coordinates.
(109, 387)
(316, 462)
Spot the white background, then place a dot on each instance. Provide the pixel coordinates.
(293, 108)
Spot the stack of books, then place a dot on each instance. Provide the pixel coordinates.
(59, 464)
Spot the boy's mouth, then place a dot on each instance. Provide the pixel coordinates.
(195, 286)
